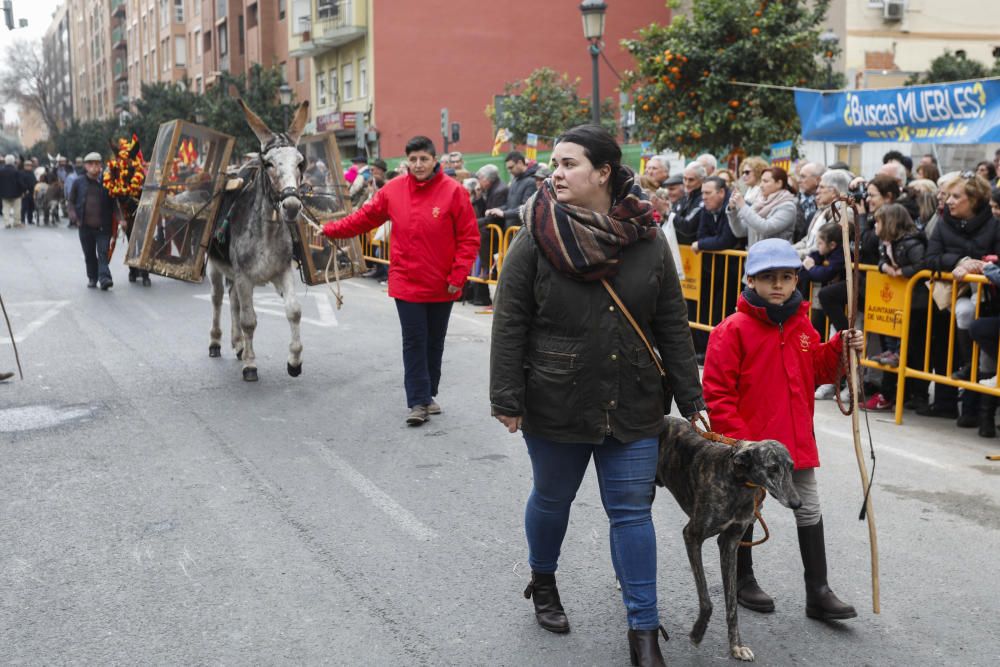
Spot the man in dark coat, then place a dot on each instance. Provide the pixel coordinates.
(11, 189)
(495, 193)
(689, 212)
(28, 182)
(92, 205)
(522, 186)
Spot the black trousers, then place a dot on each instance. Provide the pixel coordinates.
(95, 244)
(424, 327)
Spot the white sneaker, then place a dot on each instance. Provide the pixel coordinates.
(989, 382)
(825, 392)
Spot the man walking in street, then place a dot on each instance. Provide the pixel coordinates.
(11, 189)
(92, 206)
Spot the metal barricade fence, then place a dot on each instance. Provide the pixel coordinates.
(888, 305)
(888, 310)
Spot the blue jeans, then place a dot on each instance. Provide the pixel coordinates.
(424, 327)
(625, 474)
(95, 244)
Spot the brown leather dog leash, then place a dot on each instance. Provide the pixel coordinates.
(758, 499)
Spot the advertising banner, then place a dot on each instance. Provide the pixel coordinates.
(954, 113)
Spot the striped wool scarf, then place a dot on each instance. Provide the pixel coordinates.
(584, 244)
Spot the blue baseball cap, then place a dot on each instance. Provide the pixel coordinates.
(771, 254)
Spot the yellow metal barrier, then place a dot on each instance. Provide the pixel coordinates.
(896, 317)
(498, 248)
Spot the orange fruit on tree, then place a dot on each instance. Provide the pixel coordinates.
(645, 107)
(681, 115)
(734, 104)
(755, 31)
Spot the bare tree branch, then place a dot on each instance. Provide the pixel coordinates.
(23, 81)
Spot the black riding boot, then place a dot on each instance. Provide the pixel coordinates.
(748, 592)
(548, 609)
(987, 416)
(821, 602)
(644, 647)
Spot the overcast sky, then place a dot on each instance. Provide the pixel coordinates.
(39, 15)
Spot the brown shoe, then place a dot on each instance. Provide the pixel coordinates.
(433, 408)
(417, 416)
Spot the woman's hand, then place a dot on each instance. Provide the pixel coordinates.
(808, 263)
(694, 248)
(854, 339)
(736, 200)
(513, 424)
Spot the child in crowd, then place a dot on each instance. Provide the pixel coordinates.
(762, 366)
(825, 265)
(901, 254)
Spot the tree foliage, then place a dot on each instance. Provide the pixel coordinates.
(547, 104)
(683, 87)
(954, 67)
(23, 82)
(162, 102)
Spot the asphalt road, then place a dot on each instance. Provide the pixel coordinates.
(156, 509)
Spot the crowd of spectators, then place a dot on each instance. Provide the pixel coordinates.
(911, 218)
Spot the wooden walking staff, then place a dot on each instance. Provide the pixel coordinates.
(852, 275)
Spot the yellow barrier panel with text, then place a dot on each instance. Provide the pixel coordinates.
(691, 285)
(885, 303)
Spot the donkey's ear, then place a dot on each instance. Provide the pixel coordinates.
(299, 121)
(259, 127)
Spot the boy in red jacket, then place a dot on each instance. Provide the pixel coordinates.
(761, 369)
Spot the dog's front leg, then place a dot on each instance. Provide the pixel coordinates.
(729, 542)
(693, 540)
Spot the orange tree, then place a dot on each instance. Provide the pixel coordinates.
(546, 104)
(682, 82)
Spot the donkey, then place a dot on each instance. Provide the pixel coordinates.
(259, 248)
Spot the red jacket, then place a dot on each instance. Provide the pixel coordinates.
(760, 378)
(434, 238)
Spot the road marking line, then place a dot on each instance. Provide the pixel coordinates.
(903, 453)
(38, 322)
(402, 516)
(327, 320)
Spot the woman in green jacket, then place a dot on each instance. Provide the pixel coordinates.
(568, 369)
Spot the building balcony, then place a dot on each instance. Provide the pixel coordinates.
(120, 71)
(333, 24)
(118, 7)
(118, 40)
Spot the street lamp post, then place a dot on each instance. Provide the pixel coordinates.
(285, 97)
(593, 31)
(828, 40)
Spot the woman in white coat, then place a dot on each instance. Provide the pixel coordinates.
(774, 213)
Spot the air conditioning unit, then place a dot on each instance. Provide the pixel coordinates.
(892, 10)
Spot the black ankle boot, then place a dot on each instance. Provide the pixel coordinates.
(987, 416)
(644, 647)
(748, 592)
(821, 602)
(548, 608)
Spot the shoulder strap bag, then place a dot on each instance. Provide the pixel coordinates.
(635, 325)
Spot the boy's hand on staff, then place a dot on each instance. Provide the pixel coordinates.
(513, 424)
(854, 339)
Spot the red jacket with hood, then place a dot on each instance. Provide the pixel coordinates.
(760, 378)
(434, 238)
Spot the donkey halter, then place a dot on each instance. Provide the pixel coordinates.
(277, 198)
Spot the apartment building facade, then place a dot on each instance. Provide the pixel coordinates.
(117, 45)
(57, 60)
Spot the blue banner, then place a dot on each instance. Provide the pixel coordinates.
(949, 113)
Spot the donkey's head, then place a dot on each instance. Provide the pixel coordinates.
(281, 161)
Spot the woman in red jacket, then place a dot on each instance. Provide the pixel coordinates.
(761, 369)
(434, 242)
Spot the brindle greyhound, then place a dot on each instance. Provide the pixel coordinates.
(260, 243)
(709, 481)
